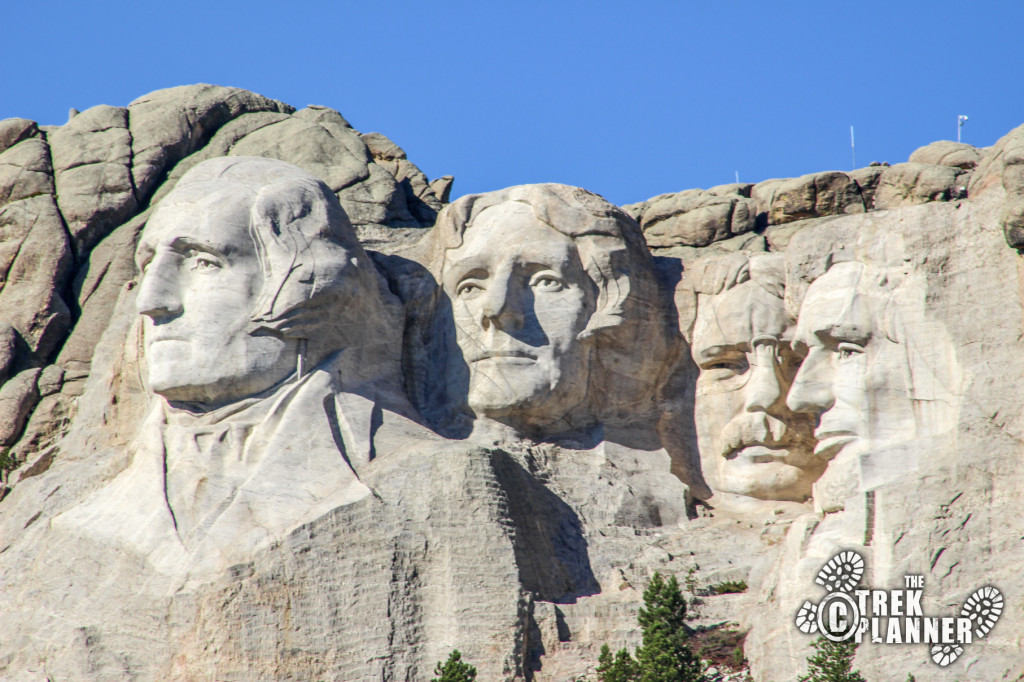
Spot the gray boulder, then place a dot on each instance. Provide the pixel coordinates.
(693, 218)
(909, 184)
(17, 398)
(92, 156)
(809, 196)
(947, 153)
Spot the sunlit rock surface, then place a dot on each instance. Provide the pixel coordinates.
(351, 457)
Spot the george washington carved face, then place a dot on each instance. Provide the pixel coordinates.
(201, 280)
(244, 267)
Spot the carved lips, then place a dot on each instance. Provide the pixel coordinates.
(831, 442)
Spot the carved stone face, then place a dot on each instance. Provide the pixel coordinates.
(854, 379)
(750, 443)
(200, 281)
(520, 299)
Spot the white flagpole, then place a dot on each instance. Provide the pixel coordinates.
(853, 149)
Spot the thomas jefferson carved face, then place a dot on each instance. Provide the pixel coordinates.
(751, 445)
(201, 279)
(520, 298)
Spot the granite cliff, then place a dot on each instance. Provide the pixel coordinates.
(732, 385)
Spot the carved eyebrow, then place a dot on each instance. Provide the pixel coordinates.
(475, 273)
(844, 332)
(712, 352)
(182, 244)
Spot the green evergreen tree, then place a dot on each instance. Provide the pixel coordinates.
(832, 662)
(664, 655)
(454, 670)
(621, 668)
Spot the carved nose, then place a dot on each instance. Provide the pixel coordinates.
(158, 296)
(499, 308)
(812, 387)
(763, 390)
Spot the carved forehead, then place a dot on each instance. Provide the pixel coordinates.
(512, 231)
(734, 317)
(214, 215)
(842, 303)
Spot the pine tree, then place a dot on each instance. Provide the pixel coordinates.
(832, 662)
(621, 668)
(454, 670)
(664, 655)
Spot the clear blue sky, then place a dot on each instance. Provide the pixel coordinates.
(628, 100)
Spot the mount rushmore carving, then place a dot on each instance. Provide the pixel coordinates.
(484, 424)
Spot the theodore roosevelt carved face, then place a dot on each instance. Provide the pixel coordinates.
(751, 444)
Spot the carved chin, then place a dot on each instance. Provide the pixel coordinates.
(491, 399)
(765, 480)
(498, 388)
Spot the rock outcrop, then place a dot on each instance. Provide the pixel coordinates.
(432, 440)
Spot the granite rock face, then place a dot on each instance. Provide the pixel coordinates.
(272, 408)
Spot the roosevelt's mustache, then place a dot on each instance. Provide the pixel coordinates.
(755, 428)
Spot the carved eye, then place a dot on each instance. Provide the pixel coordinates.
(547, 283)
(468, 289)
(733, 365)
(201, 261)
(205, 264)
(848, 351)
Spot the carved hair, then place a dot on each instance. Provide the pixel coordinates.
(319, 283)
(716, 275)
